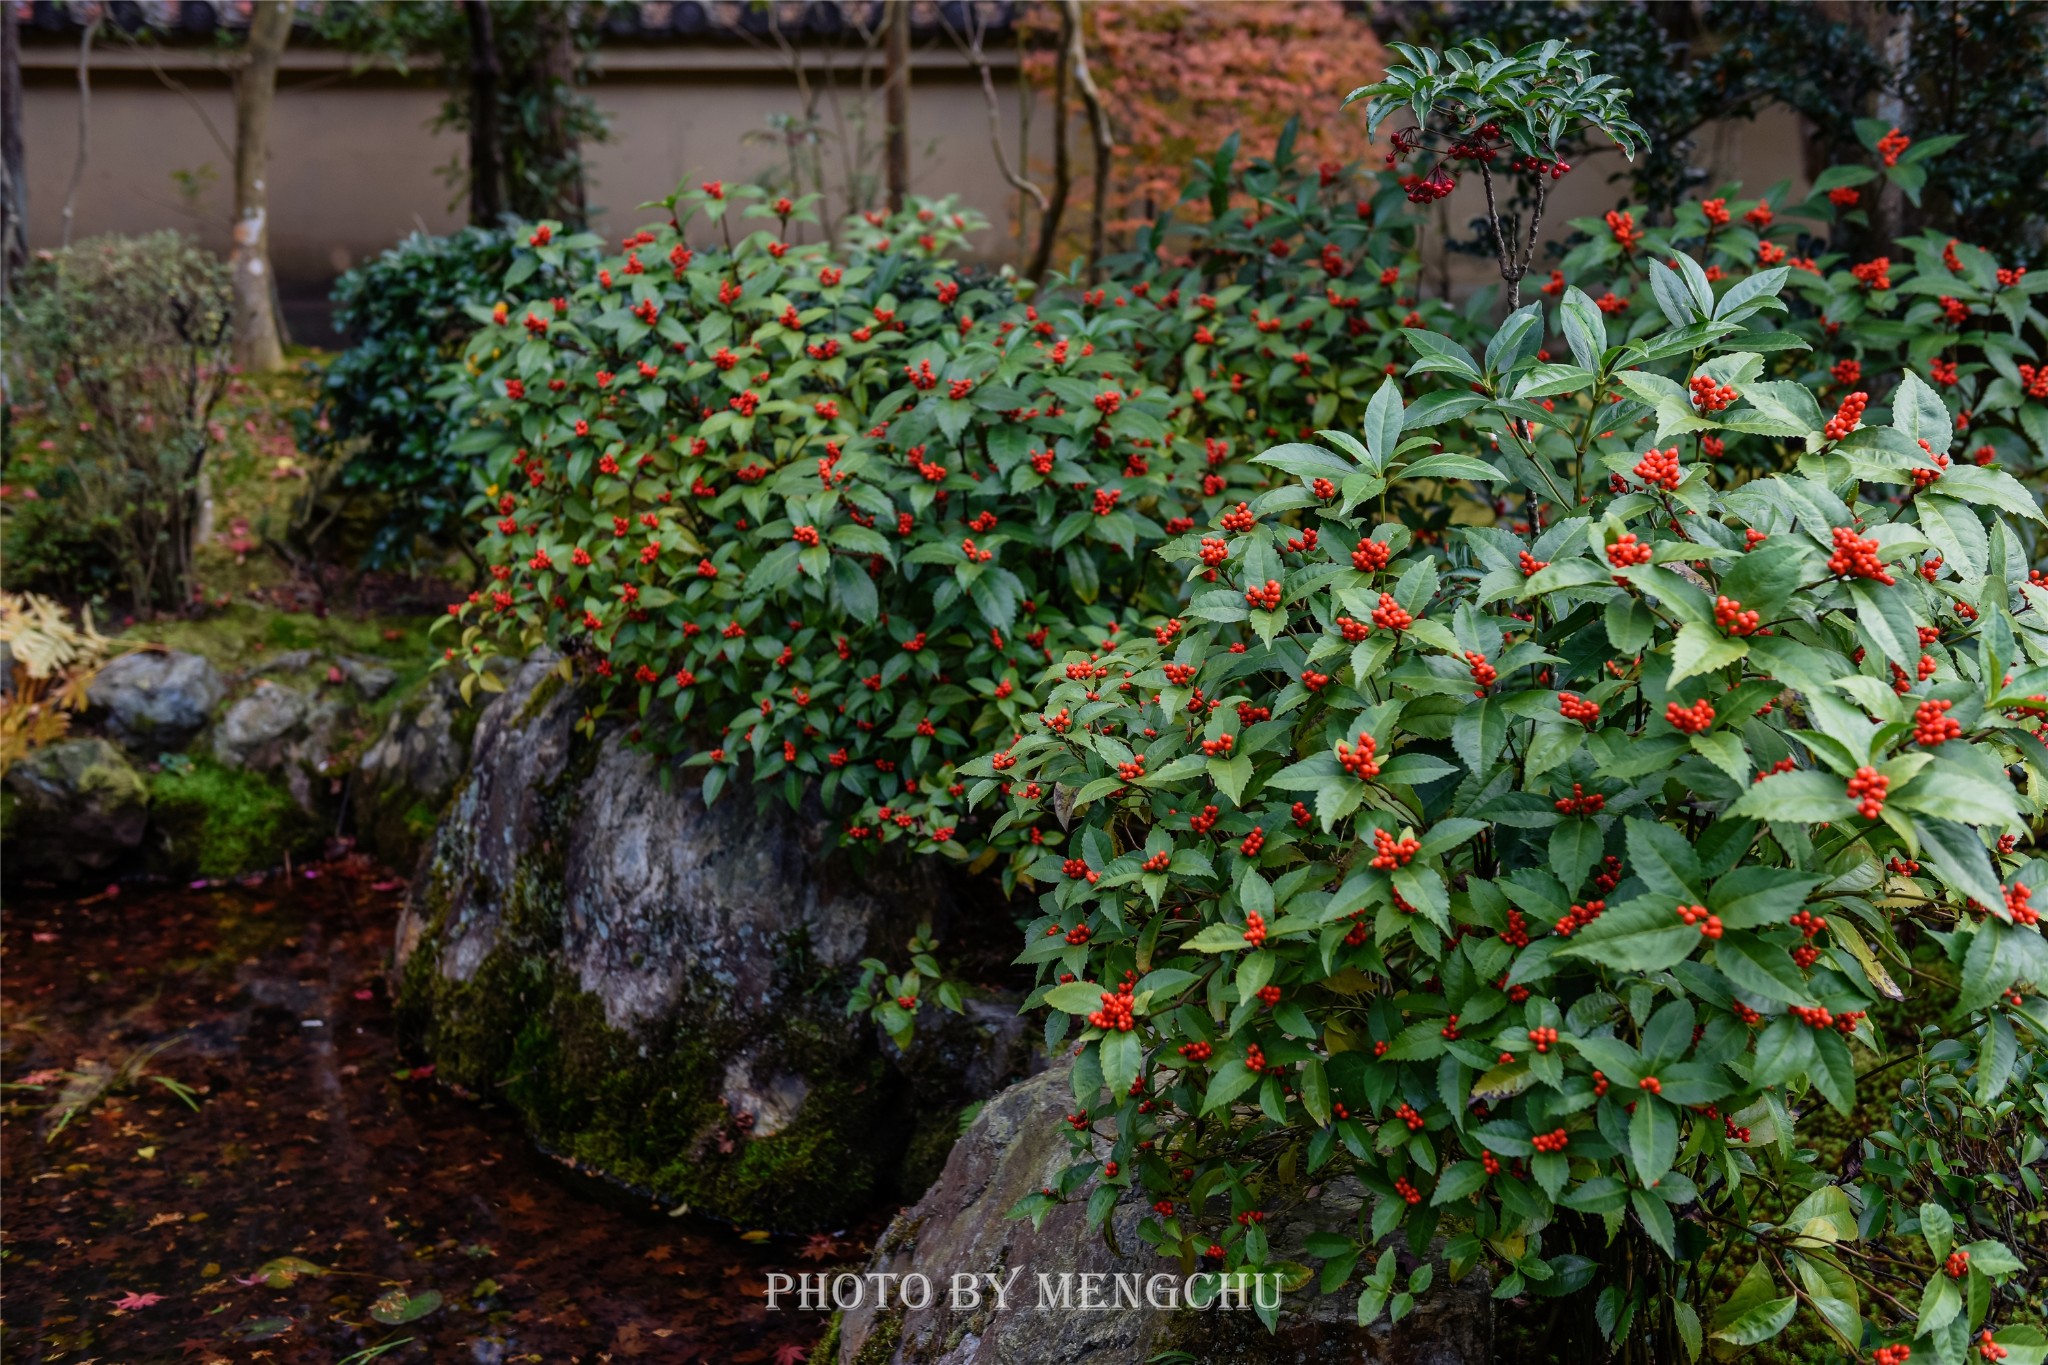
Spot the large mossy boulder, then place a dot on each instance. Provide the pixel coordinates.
(73, 808)
(1015, 1147)
(659, 988)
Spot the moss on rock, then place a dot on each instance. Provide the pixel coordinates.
(213, 821)
(645, 1106)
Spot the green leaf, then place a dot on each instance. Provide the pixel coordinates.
(1702, 649)
(1835, 1077)
(1939, 1302)
(1652, 1139)
(1123, 1055)
(1760, 1323)
(1459, 1181)
(1665, 861)
(395, 1307)
(1655, 1216)
(1230, 1080)
(1725, 751)
(1083, 997)
(1799, 797)
(1938, 1228)
(1761, 968)
(1383, 422)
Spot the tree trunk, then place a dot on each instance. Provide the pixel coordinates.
(257, 347)
(896, 103)
(559, 149)
(1062, 165)
(13, 185)
(1098, 124)
(486, 181)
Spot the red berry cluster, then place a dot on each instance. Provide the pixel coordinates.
(1359, 762)
(1622, 224)
(1657, 468)
(2018, 904)
(1531, 566)
(1579, 803)
(1553, 1141)
(1710, 925)
(1958, 1264)
(1543, 1038)
(1730, 617)
(1115, 1014)
(1891, 1355)
(1628, 550)
(1856, 557)
(1238, 518)
(1651, 1084)
(1391, 852)
(1868, 787)
(1709, 396)
(1371, 555)
(1574, 707)
(1988, 1348)
(1847, 417)
(1578, 917)
(1388, 615)
(1809, 924)
(1406, 1113)
(1255, 928)
(1267, 597)
(1197, 1051)
(1692, 719)
(1483, 673)
(1430, 188)
(1933, 725)
(1874, 274)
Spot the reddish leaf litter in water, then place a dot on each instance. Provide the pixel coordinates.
(324, 1191)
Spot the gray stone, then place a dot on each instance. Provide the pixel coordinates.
(373, 680)
(291, 661)
(72, 808)
(660, 986)
(157, 700)
(406, 775)
(257, 731)
(1016, 1146)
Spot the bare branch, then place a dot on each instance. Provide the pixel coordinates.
(1098, 123)
(970, 44)
(84, 125)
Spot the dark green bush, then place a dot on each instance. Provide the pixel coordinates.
(407, 316)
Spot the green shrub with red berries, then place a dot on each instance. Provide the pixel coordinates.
(1519, 805)
(822, 515)
(1542, 875)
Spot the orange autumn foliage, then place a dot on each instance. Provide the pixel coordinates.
(1178, 78)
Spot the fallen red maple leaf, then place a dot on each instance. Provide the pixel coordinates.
(131, 1302)
(792, 1354)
